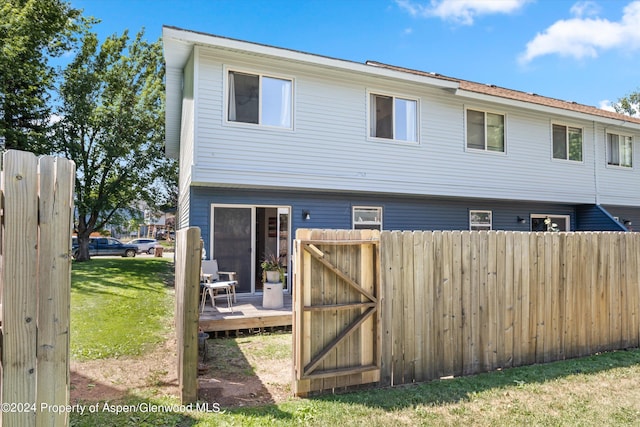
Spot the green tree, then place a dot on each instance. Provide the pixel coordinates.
(629, 105)
(31, 32)
(112, 125)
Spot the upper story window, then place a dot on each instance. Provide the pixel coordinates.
(619, 150)
(485, 131)
(480, 220)
(393, 118)
(260, 99)
(365, 217)
(567, 143)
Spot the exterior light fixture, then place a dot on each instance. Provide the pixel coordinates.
(306, 215)
(627, 222)
(521, 220)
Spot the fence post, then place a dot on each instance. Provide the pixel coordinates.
(187, 277)
(35, 278)
(54, 280)
(19, 287)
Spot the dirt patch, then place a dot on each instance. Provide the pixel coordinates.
(248, 370)
(243, 371)
(113, 379)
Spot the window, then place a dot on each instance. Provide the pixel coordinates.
(259, 100)
(394, 118)
(485, 131)
(567, 143)
(619, 150)
(367, 218)
(542, 222)
(479, 220)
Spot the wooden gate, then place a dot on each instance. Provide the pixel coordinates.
(336, 309)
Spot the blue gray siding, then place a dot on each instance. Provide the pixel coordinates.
(626, 213)
(334, 210)
(596, 218)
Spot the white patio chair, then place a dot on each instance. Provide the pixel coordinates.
(212, 284)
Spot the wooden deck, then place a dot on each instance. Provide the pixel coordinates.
(247, 313)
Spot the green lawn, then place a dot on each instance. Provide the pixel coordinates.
(119, 306)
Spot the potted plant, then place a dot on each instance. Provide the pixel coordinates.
(273, 268)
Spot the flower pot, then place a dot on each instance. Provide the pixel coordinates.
(273, 276)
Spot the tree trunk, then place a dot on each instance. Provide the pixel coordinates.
(83, 244)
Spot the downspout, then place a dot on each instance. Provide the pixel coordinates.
(595, 165)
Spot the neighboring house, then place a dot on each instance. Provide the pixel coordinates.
(271, 140)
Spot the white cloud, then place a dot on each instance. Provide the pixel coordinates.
(460, 11)
(584, 8)
(581, 37)
(611, 106)
(606, 105)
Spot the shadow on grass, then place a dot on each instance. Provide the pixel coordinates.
(456, 390)
(232, 382)
(462, 389)
(104, 405)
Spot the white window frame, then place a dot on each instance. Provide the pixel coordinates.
(480, 226)
(568, 126)
(370, 94)
(261, 76)
(567, 219)
(374, 225)
(485, 149)
(608, 150)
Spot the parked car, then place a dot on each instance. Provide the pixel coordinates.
(145, 245)
(106, 246)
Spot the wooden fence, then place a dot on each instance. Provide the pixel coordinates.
(187, 284)
(459, 302)
(35, 279)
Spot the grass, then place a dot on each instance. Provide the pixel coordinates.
(591, 391)
(246, 353)
(119, 306)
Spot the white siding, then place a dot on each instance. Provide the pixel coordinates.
(617, 185)
(329, 148)
(187, 139)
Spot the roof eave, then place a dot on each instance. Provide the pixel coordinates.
(173, 36)
(547, 109)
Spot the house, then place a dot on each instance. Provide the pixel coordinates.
(271, 140)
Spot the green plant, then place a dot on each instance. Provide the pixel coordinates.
(271, 262)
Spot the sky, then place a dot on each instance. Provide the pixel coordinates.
(582, 51)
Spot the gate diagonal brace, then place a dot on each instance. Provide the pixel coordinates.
(337, 340)
(319, 255)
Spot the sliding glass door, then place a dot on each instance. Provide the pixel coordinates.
(243, 235)
(233, 243)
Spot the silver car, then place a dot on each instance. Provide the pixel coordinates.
(145, 245)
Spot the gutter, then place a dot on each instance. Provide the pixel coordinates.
(596, 181)
(546, 109)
